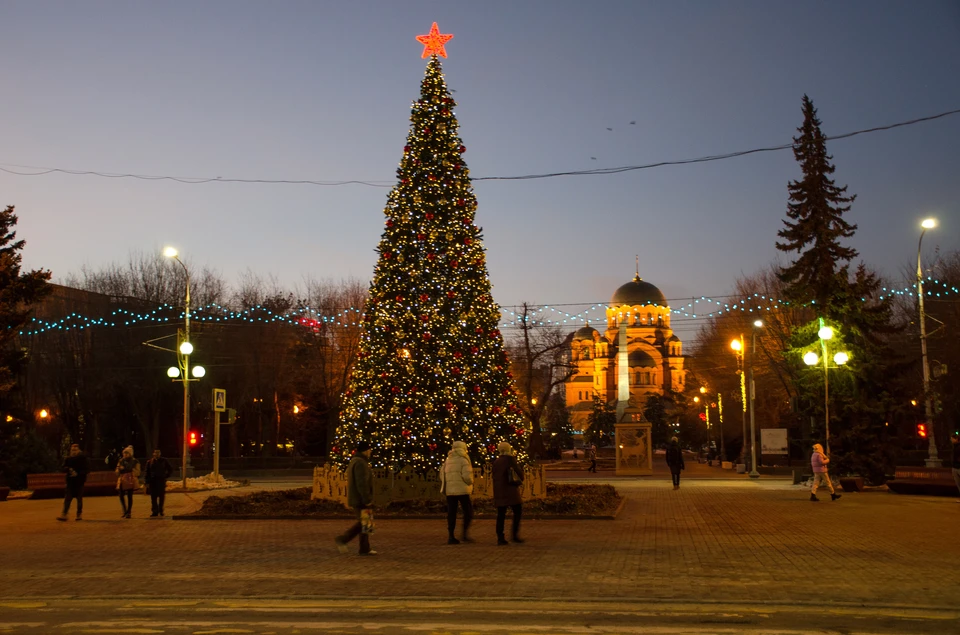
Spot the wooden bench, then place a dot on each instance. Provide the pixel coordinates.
(930, 481)
(54, 485)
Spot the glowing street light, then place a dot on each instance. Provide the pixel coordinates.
(933, 457)
(185, 348)
(810, 358)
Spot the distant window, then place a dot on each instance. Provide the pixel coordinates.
(650, 318)
(585, 352)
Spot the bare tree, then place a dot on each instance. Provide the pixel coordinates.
(540, 362)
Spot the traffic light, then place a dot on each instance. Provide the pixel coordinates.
(922, 430)
(193, 438)
(703, 416)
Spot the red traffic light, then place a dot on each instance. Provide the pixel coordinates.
(193, 438)
(922, 430)
(703, 416)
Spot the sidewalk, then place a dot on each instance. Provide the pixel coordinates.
(756, 541)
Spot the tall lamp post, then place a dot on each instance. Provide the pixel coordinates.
(753, 393)
(183, 372)
(810, 358)
(738, 348)
(933, 457)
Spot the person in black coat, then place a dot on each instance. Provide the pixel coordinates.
(507, 494)
(77, 468)
(157, 473)
(675, 461)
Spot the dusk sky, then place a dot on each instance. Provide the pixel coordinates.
(322, 91)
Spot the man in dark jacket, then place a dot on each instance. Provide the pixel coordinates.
(675, 461)
(158, 471)
(76, 468)
(359, 497)
(507, 478)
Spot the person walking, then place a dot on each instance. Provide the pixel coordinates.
(156, 475)
(76, 468)
(819, 461)
(128, 471)
(359, 497)
(675, 461)
(955, 440)
(593, 458)
(507, 478)
(456, 483)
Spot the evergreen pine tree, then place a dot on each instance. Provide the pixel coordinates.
(431, 367)
(815, 223)
(18, 293)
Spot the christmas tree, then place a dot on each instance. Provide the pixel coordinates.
(431, 368)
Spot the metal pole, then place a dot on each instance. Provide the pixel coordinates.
(933, 457)
(216, 446)
(753, 429)
(826, 392)
(743, 398)
(186, 382)
(723, 444)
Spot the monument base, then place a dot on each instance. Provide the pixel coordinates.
(634, 451)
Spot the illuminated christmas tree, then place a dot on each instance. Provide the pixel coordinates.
(432, 368)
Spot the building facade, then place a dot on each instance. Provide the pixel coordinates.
(635, 357)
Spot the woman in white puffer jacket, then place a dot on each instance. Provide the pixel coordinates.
(456, 482)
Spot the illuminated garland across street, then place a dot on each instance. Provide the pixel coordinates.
(704, 307)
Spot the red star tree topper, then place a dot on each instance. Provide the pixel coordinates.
(433, 42)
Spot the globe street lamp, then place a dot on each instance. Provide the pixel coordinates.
(183, 372)
(810, 358)
(933, 457)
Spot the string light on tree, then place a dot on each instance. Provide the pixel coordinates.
(432, 367)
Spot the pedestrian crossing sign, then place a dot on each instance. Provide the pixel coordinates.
(219, 400)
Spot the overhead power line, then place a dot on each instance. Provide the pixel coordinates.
(191, 180)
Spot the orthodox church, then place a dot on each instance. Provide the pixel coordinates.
(635, 357)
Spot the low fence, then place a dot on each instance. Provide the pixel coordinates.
(329, 483)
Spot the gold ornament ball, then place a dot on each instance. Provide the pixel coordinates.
(447, 432)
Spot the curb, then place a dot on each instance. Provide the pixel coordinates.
(612, 516)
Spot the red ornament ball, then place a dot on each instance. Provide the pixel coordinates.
(431, 256)
(467, 241)
(451, 294)
(395, 389)
(496, 410)
(454, 264)
(458, 355)
(424, 297)
(421, 237)
(455, 370)
(474, 350)
(427, 336)
(406, 148)
(449, 405)
(428, 215)
(432, 446)
(463, 149)
(335, 449)
(408, 410)
(399, 298)
(491, 448)
(405, 432)
(389, 223)
(476, 389)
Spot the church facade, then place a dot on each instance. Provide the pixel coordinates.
(635, 357)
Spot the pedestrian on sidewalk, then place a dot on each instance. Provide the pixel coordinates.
(76, 468)
(128, 473)
(507, 479)
(360, 498)
(955, 440)
(592, 455)
(157, 472)
(675, 461)
(819, 461)
(456, 483)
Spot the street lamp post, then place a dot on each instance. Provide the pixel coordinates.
(753, 429)
(933, 457)
(811, 359)
(185, 348)
(738, 348)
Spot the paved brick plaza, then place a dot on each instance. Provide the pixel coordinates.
(714, 540)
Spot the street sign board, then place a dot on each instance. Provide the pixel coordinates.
(773, 441)
(219, 400)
